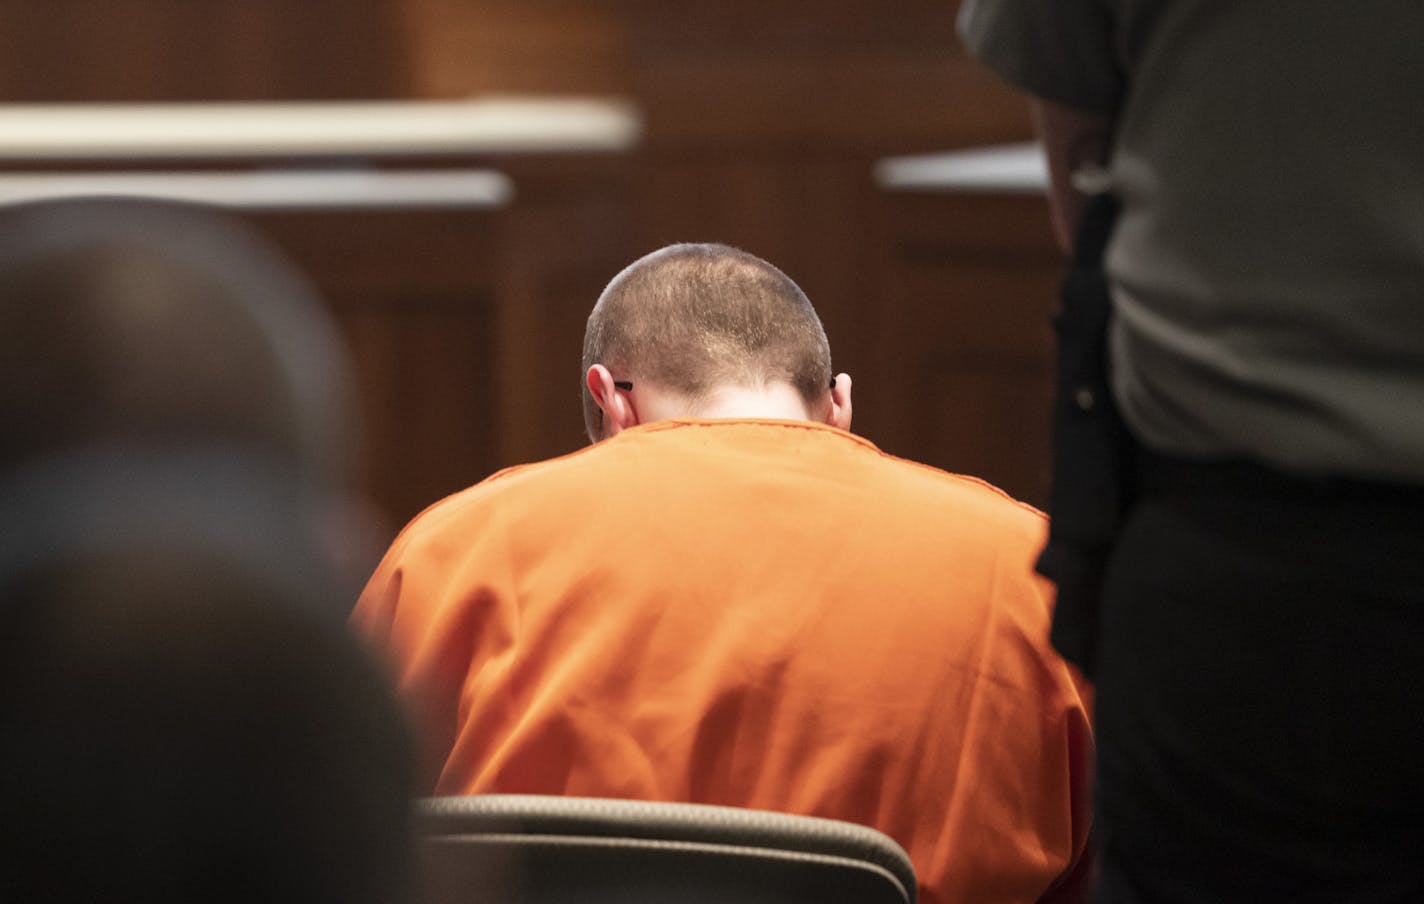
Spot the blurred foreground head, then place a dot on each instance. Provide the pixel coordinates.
(132, 330)
(181, 724)
(185, 717)
(139, 323)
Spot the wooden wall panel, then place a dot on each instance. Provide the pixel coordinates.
(466, 327)
(415, 295)
(843, 75)
(425, 378)
(964, 335)
(564, 239)
(153, 50)
(531, 46)
(720, 73)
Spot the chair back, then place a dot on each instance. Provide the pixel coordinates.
(532, 849)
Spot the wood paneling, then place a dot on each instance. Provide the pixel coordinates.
(565, 238)
(842, 73)
(847, 75)
(466, 327)
(465, 47)
(154, 50)
(964, 337)
(415, 295)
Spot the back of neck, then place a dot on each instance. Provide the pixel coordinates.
(774, 400)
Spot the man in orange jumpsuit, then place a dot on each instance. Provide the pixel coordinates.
(729, 599)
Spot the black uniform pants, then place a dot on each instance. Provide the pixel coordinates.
(1260, 708)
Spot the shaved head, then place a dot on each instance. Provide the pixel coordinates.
(695, 317)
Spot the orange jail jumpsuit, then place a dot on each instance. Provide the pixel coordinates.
(756, 613)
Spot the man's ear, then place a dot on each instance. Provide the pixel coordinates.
(838, 415)
(616, 405)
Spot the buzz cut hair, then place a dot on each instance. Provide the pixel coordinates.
(693, 317)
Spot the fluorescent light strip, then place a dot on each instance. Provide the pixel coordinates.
(1005, 169)
(276, 189)
(360, 128)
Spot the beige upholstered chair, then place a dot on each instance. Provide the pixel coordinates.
(504, 849)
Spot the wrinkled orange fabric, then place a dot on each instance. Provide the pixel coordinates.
(767, 614)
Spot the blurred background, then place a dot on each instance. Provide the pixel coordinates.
(841, 140)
